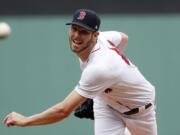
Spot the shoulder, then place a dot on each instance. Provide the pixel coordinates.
(109, 34)
(99, 72)
(114, 36)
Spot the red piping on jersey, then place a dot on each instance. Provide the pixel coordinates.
(95, 50)
(111, 43)
(118, 52)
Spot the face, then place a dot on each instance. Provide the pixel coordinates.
(80, 38)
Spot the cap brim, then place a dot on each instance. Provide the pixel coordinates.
(80, 24)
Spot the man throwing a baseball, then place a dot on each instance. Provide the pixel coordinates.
(122, 97)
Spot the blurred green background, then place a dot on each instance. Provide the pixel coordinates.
(37, 68)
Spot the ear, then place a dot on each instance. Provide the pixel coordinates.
(96, 34)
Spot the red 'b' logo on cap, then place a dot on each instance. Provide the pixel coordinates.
(82, 15)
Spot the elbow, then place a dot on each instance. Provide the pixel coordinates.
(124, 38)
(124, 41)
(63, 113)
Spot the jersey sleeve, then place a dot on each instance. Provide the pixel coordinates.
(94, 80)
(114, 36)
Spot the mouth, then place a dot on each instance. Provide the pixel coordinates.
(77, 42)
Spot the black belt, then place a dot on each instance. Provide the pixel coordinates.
(136, 110)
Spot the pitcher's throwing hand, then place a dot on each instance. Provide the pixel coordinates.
(14, 119)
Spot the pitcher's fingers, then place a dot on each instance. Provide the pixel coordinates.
(10, 124)
(5, 119)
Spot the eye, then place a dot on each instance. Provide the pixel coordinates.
(73, 29)
(84, 32)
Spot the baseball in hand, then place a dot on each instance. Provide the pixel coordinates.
(5, 30)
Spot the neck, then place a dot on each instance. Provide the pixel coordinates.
(85, 53)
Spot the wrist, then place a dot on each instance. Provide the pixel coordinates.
(31, 120)
(25, 122)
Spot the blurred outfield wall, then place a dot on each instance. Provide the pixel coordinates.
(37, 69)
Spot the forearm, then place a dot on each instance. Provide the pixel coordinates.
(52, 115)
